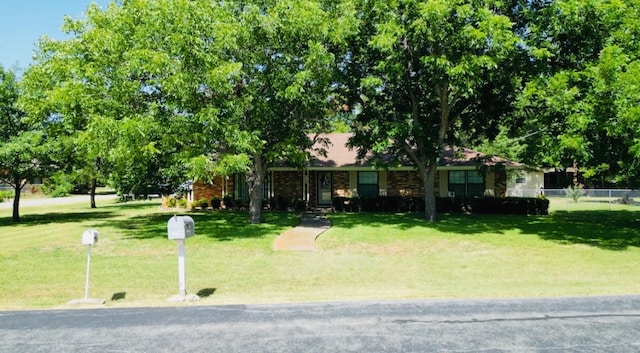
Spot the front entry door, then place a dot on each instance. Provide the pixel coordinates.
(324, 188)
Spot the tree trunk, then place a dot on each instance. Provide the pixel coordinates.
(18, 184)
(255, 183)
(92, 192)
(17, 190)
(428, 184)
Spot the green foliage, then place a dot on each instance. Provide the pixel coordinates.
(203, 203)
(181, 202)
(5, 195)
(216, 203)
(504, 146)
(478, 205)
(25, 150)
(417, 72)
(574, 192)
(169, 90)
(171, 202)
(59, 184)
(583, 99)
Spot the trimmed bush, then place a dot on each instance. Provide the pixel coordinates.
(509, 205)
(479, 205)
(299, 204)
(346, 204)
(228, 202)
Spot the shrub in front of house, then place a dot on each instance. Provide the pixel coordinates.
(280, 203)
(182, 203)
(346, 204)
(202, 203)
(228, 202)
(216, 203)
(478, 205)
(172, 202)
(299, 204)
(509, 205)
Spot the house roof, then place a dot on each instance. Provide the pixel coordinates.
(340, 155)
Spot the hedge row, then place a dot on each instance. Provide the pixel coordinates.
(494, 205)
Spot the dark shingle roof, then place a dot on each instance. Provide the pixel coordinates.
(339, 155)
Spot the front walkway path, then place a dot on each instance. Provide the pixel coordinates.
(303, 237)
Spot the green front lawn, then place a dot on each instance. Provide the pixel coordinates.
(574, 251)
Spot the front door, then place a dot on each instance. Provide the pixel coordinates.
(324, 188)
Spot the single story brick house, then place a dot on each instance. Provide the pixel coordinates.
(339, 173)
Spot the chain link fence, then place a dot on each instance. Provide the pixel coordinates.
(610, 196)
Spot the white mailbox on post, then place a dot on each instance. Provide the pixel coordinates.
(180, 227)
(90, 237)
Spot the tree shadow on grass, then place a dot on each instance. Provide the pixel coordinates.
(605, 229)
(218, 225)
(611, 230)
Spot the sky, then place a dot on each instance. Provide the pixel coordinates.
(23, 22)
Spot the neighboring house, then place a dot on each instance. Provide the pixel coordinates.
(339, 173)
(27, 188)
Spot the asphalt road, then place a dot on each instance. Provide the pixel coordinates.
(603, 324)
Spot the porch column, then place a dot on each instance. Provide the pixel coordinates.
(305, 185)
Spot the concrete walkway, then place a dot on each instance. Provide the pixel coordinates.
(303, 237)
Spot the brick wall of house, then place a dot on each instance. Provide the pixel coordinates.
(500, 184)
(287, 184)
(404, 183)
(340, 183)
(207, 191)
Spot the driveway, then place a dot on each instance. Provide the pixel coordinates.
(598, 324)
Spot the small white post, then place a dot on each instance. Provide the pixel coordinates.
(182, 276)
(86, 281)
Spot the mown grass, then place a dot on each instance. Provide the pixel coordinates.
(577, 250)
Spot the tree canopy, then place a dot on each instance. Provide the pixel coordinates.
(157, 92)
(181, 88)
(417, 69)
(584, 101)
(24, 149)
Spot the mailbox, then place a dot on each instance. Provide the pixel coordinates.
(180, 227)
(90, 237)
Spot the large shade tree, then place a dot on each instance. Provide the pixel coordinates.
(192, 87)
(118, 89)
(24, 149)
(284, 87)
(417, 70)
(584, 102)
